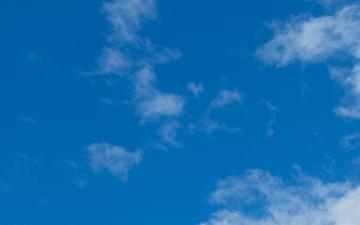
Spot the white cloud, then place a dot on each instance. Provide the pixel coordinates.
(127, 16)
(351, 82)
(156, 55)
(161, 105)
(152, 103)
(166, 55)
(106, 101)
(27, 120)
(80, 177)
(270, 126)
(350, 142)
(112, 158)
(209, 125)
(168, 134)
(257, 198)
(225, 98)
(310, 39)
(195, 88)
(113, 61)
(302, 39)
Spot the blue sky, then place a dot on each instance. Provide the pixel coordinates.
(180, 112)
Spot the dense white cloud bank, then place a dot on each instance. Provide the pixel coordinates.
(310, 39)
(258, 198)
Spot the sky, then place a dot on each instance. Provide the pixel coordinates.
(180, 112)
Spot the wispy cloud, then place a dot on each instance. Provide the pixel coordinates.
(25, 166)
(270, 126)
(78, 173)
(350, 79)
(310, 39)
(112, 158)
(127, 16)
(328, 4)
(225, 98)
(258, 198)
(168, 134)
(27, 120)
(350, 142)
(130, 53)
(152, 103)
(23, 171)
(195, 88)
(159, 55)
(208, 124)
(113, 61)
(160, 105)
